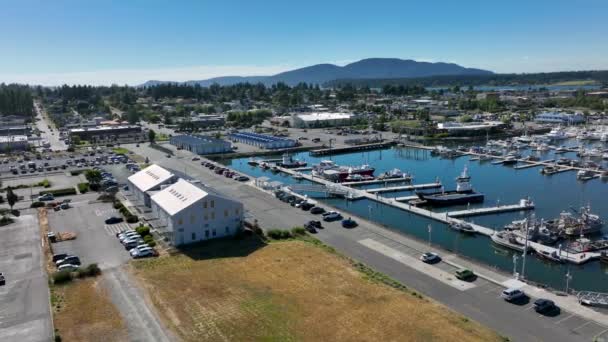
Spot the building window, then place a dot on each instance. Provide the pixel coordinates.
(213, 232)
(236, 211)
(225, 212)
(205, 204)
(213, 215)
(192, 218)
(206, 234)
(193, 236)
(180, 221)
(227, 230)
(206, 217)
(212, 203)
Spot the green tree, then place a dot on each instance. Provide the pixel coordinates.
(93, 176)
(151, 136)
(11, 197)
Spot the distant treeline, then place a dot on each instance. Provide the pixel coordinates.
(16, 100)
(600, 77)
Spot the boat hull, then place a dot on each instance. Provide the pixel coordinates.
(450, 198)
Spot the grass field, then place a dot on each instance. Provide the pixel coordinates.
(82, 311)
(120, 150)
(244, 290)
(576, 83)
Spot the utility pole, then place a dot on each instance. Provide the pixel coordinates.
(523, 266)
(515, 266)
(430, 229)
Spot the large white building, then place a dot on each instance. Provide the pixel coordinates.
(13, 143)
(189, 213)
(321, 119)
(149, 179)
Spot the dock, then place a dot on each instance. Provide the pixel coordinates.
(406, 198)
(492, 210)
(404, 188)
(376, 181)
(305, 168)
(338, 150)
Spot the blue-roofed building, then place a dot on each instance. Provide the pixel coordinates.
(560, 118)
(201, 144)
(264, 141)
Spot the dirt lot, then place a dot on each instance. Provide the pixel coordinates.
(82, 311)
(244, 291)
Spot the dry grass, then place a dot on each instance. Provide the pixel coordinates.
(82, 311)
(237, 291)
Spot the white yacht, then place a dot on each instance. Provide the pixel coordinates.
(556, 134)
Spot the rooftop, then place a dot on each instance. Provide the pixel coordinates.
(150, 177)
(324, 116)
(104, 128)
(178, 196)
(13, 138)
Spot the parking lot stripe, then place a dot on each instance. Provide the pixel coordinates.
(563, 319)
(582, 325)
(600, 334)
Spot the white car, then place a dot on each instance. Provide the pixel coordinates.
(68, 267)
(332, 216)
(143, 245)
(512, 294)
(143, 252)
(129, 236)
(430, 257)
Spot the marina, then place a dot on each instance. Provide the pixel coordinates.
(387, 201)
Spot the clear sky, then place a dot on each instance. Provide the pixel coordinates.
(128, 41)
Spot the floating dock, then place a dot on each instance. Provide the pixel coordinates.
(377, 181)
(337, 150)
(492, 210)
(404, 188)
(406, 198)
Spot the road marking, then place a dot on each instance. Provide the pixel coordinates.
(529, 307)
(418, 265)
(600, 334)
(582, 325)
(113, 229)
(563, 319)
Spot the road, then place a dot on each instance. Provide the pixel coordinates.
(24, 301)
(48, 132)
(480, 302)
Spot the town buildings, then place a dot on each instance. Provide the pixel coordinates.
(321, 119)
(201, 144)
(560, 118)
(108, 134)
(147, 180)
(264, 141)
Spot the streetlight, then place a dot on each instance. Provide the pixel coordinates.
(568, 278)
(515, 266)
(430, 229)
(369, 212)
(523, 266)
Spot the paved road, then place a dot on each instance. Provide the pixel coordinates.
(24, 300)
(481, 302)
(48, 134)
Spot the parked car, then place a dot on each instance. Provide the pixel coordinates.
(114, 220)
(316, 224)
(543, 305)
(125, 232)
(132, 243)
(46, 197)
(242, 178)
(430, 257)
(139, 246)
(143, 252)
(2, 279)
(195, 158)
(310, 228)
(331, 216)
(306, 206)
(68, 267)
(127, 237)
(465, 274)
(70, 259)
(349, 223)
(317, 210)
(58, 257)
(511, 295)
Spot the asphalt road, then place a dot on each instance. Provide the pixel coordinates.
(24, 301)
(481, 303)
(48, 134)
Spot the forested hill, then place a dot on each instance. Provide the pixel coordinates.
(16, 100)
(599, 77)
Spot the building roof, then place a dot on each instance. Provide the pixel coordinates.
(150, 177)
(178, 196)
(321, 116)
(13, 138)
(104, 128)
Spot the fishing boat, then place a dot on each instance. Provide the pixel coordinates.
(396, 174)
(550, 256)
(289, 162)
(355, 177)
(561, 149)
(463, 194)
(549, 170)
(586, 224)
(264, 166)
(507, 240)
(335, 173)
(510, 160)
(585, 175)
(253, 162)
(462, 227)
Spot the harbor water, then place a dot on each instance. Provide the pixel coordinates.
(500, 184)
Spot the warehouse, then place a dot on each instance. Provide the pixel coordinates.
(264, 141)
(149, 179)
(189, 213)
(108, 134)
(13, 143)
(321, 119)
(201, 144)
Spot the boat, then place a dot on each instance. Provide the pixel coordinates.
(355, 177)
(289, 163)
(508, 240)
(510, 160)
(464, 193)
(549, 170)
(485, 157)
(532, 158)
(264, 166)
(585, 175)
(252, 161)
(274, 169)
(335, 173)
(395, 174)
(586, 224)
(556, 134)
(297, 176)
(561, 149)
(550, 256)
(462, 227)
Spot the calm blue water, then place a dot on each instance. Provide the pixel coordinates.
(500, 184)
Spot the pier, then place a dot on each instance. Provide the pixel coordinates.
(377, 181)
(492, 210)
(405, 188)
(337, 150)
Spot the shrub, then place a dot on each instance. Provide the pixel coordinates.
(4, 220)
(15, 213)
(37, 204)
(143, 231)
(149, 239)
(1, 199)
(132, 219)
(83, 187)
(75, 172)
(278, 234)
(298, 231)
(44, 183)
(90, 271)
(59, 192)
(62, 277)
(118, 205)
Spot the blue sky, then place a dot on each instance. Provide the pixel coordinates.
(103, 42)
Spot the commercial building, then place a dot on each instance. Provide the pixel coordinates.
(108, 134)
(264, 141)
(9, 130)
(201, 144)
(13, 143)
(149, 179)
(189, 213)
(560, 118)
(207, 121)
(472, 128)
(321, 119)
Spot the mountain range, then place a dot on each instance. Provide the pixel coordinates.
(370, 68)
